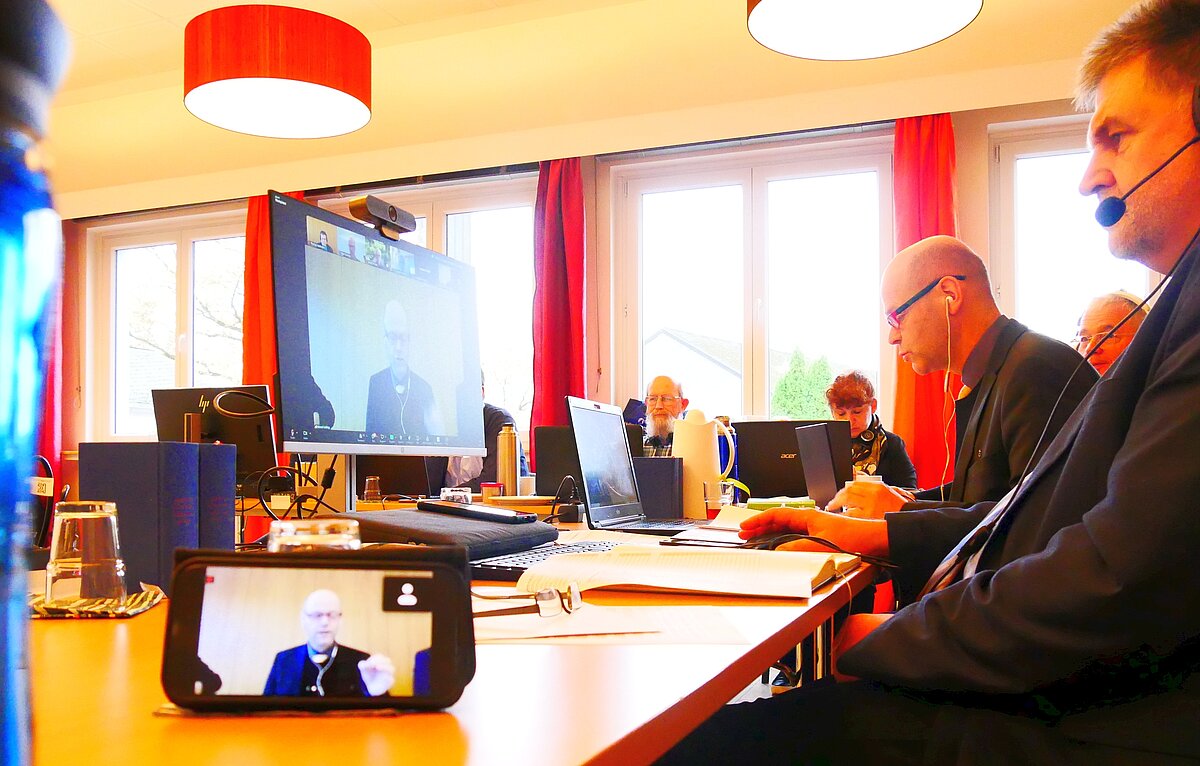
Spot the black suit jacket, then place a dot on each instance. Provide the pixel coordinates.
(1086, 604)
(392, 413)
(1009, 407)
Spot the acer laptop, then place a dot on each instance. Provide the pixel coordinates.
(610, 492)
(767, 460)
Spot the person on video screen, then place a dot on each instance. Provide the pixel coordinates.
(398, 400)
(321, 667)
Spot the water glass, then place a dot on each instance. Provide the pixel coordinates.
(302, 535)
(85, 554)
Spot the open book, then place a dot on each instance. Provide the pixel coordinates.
(779, 574)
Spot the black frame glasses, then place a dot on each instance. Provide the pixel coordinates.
(893, 316)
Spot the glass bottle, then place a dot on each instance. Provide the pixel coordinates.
(33, 55)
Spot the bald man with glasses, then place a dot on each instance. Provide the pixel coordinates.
(942, 315)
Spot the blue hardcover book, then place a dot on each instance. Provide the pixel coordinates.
(154, 485)
(217, 487)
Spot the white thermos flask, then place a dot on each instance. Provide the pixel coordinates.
(507, 459)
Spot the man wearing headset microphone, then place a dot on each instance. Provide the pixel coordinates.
(1062, 623)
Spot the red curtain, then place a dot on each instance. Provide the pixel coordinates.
(49, 443)
(558, 341)
(259, 363)
(926, 204)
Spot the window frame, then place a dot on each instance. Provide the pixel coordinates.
(622, 181)
(1007, 143)
(104, 239)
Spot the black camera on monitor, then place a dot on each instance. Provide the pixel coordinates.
(390, 220)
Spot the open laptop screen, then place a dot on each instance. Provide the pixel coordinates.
(606, 467)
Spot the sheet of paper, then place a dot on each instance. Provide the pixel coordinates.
(711, 534)
(609, 624)
(731, 517)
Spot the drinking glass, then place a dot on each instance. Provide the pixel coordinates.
(85, 555)
(299, 535)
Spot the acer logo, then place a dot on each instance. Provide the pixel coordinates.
(787, 455)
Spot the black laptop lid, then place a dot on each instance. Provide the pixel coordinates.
(605, 465)
(767, 461)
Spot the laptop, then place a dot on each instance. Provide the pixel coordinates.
(610, 493)
(554, 450)
(767, 460)
(825, 456)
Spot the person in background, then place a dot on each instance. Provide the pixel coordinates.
(664, 403)
(1101, 315)
(470, 471)
(873, 450)
(943, 316)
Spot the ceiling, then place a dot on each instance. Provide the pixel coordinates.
(459, 84)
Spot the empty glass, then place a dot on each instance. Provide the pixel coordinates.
(298, 535)
(85, 555)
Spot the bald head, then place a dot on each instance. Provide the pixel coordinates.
(938, 330)
(320, 618)
(919, 264)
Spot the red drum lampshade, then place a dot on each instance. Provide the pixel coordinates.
(270, 70)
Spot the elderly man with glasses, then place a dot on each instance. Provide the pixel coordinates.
(942, 316)
(1104, 331)
(665, 402)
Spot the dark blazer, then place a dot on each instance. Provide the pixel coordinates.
(390, 413)
(1009, 407)
(1086, 604)
(895, 466)
(341, 680)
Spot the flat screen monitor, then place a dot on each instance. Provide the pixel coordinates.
(378, 340)
(254, 436)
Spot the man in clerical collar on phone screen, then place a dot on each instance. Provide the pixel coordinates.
(321, 667)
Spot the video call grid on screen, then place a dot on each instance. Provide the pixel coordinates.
(249, 615)
(337, 312)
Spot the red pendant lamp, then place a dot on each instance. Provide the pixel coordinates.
(271, 70)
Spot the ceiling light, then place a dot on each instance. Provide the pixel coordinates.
(270, 70)
(846, 30)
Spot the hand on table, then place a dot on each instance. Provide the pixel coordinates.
(378, 674)
(856, 535)
(855, 628)
(870, 499)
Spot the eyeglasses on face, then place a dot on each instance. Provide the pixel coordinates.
(893, 316)
(1084, 343)
(654, 399)
(548, 602)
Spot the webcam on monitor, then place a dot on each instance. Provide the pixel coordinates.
(389, 220)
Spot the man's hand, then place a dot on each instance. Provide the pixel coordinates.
(855, 628)
(857, 535)
(378, 674)
(870, 499)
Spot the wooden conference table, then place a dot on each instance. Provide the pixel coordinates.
(96, 688)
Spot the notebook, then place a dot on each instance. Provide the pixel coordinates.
(767, 461)
(610, 492)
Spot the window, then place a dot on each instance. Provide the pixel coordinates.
(752, 276)
(167, 300)
(488, 224)
(1053, 257)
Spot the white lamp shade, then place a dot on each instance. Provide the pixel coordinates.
(847, 30)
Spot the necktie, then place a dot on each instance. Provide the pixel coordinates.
(954, 566)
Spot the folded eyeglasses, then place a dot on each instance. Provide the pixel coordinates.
(548, 602)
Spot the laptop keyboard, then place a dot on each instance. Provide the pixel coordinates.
(666, 524)
(511, 566)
